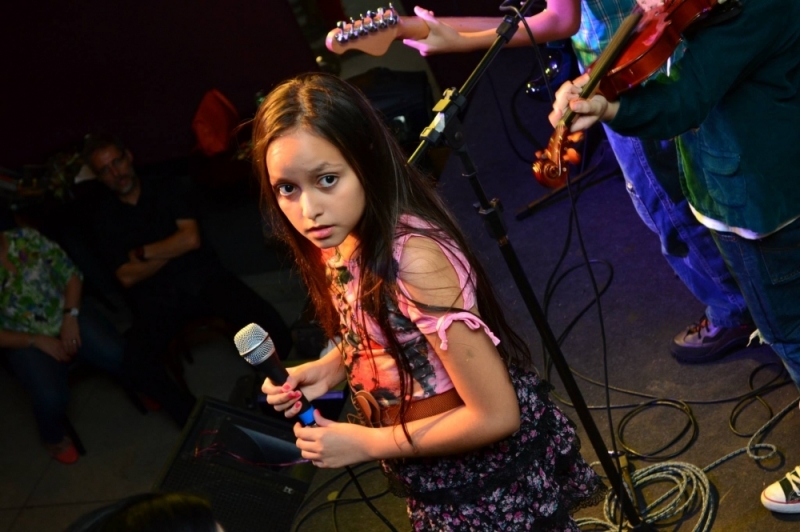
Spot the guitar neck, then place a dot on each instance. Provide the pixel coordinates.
(418, 29)
(411, 28)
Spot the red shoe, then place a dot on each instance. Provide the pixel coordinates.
(65, 452)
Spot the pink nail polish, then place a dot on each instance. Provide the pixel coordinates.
(286, 388)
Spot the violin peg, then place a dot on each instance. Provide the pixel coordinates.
(572, 156)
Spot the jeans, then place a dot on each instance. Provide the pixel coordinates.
(46, 379)
(768, 270)
(651, 178)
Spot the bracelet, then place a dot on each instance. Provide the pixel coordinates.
(139, 253)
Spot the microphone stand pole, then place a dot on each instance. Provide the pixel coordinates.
(446, 124)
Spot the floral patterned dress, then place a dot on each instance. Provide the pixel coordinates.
(532, 480)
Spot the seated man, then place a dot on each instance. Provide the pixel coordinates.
(44, 329)
(150, 237)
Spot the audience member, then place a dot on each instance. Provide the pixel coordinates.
(150, 237)
(151, 512)
(44, 329)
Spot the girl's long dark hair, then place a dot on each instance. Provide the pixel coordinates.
(339, 113)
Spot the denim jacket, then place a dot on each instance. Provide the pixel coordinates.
(734, 102)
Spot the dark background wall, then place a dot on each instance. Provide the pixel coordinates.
(136, 69)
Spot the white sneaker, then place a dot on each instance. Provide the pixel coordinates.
(783, 496)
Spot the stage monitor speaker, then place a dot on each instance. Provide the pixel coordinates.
(247, 465)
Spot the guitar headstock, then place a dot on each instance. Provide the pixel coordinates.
(371, 33)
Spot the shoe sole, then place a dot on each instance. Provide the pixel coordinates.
(690, 356)
(780, 507)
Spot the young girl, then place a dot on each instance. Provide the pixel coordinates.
(462, 430)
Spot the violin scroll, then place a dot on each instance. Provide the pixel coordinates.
(551, 165)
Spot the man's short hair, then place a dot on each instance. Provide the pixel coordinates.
(98, 141)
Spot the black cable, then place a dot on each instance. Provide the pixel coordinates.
(743, 399)
(603, 340)
(509, 140)
(371, 506)
(507, 6)
(755, 394)
(691, 423)
(333, 503)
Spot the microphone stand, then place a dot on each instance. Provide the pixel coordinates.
(447, 125)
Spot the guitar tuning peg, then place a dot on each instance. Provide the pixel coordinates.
(362, 30)
(343, 35)
(391, 18)
(353, 34)
(370, 24)
(381, 18)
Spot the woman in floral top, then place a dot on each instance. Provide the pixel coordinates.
(43, 329)
(463, 430)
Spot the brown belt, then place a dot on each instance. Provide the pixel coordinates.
(430, 406)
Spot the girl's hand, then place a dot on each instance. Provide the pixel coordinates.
(441, 37)
(307, 379)
(590, 111)
(53, 347)
(70, 335)
(331, 444)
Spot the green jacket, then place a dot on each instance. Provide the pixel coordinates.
(734, 99)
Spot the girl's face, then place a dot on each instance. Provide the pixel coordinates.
(315, 187)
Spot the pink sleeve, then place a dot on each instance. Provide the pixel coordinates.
(429, 324)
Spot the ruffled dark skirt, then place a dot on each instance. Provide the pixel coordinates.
(533, 480)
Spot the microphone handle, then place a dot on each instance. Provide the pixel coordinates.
(278, 374)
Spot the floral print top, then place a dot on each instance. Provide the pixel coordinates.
(32, 299)
(369, 366)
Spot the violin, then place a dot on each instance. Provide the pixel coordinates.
(642, 45)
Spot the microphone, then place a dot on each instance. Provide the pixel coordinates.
(256, 347)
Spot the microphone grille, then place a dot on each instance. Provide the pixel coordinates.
(254, 344)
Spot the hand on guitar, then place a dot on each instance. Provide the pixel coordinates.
(441, 37)
(587, 111)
